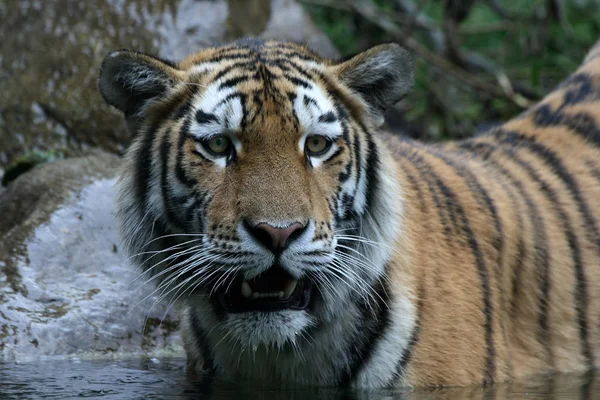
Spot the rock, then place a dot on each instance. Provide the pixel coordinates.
(290, 22)
(65, 287)
(52, 50)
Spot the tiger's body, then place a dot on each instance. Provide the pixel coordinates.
(451, 264)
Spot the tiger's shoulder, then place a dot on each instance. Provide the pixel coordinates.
(506, 236)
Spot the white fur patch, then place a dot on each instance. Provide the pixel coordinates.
(202, 68)
(228, 114)
(381, 368)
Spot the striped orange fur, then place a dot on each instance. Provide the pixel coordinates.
(468, 262)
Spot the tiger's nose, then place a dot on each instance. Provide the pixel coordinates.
(273, 238)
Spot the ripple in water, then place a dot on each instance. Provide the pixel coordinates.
(165, 379)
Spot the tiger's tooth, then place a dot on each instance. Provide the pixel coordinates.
(246, 290)
(280, 295)
(289, 289)
(255, 295)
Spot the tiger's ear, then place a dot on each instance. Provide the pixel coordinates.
(381, 76)
(130, 80)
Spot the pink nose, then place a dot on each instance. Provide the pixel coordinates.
(276, 239)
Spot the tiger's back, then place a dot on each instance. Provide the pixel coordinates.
(511, 217)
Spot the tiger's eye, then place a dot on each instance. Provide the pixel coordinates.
(317, 145)
(219, 145)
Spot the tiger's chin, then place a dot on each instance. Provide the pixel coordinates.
(270, 309)
(271, 329)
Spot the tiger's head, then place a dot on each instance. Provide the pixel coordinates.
(255, 191)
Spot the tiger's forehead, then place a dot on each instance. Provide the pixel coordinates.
(247, 51)
(243, 86)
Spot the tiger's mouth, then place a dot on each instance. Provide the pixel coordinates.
(272, 290)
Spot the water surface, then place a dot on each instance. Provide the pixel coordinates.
(165, 379)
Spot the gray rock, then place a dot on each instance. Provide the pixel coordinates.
(65, 288)
(52, 49)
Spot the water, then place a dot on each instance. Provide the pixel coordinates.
(165, 379)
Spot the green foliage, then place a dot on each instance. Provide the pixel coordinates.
(338, 25)
(526, 41)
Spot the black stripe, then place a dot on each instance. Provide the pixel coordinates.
(577, 88)
(347, 206)
(289, 65)
(205, 118)
(292, 98)
(594, 170)
(277, 63)
(347, 172)
(542, 260)
(243, 101)
(443, 219)
(517, 291)
(226, 99)
(298, 82)
(481, 196)
(581, 123)
(447, 206)
(339, 151)
(371, 171)
(170, 214)
(553, 162)
(193, 211)
(257, 99)
(310, 101)
(179, 171)
(267, 77)
(183, 110)
(291, 53)
(233, 82)
(407, 353)
(332, 205)
(344, 122)
(246, 65)
(487, 310)
(415, 188)
(237, 48)
(143, 165)
(327, 118)
(585, 390)
(374, 325)
(227, 57)
(357, 159)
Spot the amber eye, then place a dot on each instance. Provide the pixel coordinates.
(219, 145)
(317, 145)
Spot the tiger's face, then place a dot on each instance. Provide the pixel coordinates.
(250, 189)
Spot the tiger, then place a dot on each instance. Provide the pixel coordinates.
(303, 244)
